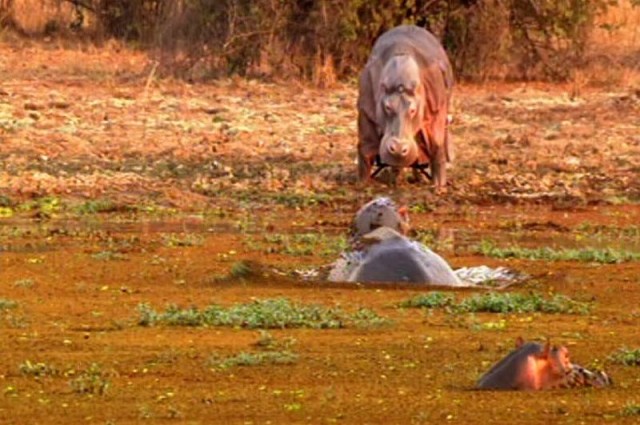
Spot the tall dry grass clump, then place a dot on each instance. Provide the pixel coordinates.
(613, 57)
(325, 40)
(37, 17)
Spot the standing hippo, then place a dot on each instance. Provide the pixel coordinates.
(403, 105)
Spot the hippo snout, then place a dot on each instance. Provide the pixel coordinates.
(397, 148)
(398, 152)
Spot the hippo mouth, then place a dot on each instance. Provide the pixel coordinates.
(422, 168)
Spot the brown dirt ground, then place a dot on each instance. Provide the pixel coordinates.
(225, 163)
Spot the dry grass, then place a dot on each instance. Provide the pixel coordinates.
(613, 58)
(91, 123)
(41, 16)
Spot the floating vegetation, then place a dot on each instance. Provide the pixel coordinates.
(276, 313)
(606, 255)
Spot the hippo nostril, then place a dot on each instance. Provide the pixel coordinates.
(397, 148)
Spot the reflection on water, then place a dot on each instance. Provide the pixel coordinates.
(28, 237)
(465, 241)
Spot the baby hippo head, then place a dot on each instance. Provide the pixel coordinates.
(554, 362)
(381, 212)
(559, 360)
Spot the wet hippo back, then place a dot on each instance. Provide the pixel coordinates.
(392, 257)
(506, 374)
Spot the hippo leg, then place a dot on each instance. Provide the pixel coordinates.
(438, 151)
(440, 170)
(368, 145)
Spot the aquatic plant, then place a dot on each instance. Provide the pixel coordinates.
(631, 409)
(38, 370)
(431, 300)
(6, 304)
(626, 356)
(496, 302)
(266, 314)
(253, 359)
(90, 381)
(606, 255)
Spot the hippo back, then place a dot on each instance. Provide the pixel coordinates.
(504, 374)
(401, 260)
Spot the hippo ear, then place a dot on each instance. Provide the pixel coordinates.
(403, 211)
(519, 342)
(370, 90)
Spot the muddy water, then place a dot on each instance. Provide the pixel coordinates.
(78, 283)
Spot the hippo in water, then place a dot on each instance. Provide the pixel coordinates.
(403, 105)
(533, 366)
(382, 253)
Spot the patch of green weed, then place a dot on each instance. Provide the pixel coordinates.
(588, 228)
(109, 256)
(367, 318)
(254, 359)
(6, 304)
(267, 341)
(24, 283)
(631, 409)
(421, 208)
(294, 200)
(241, 269)
(431, 300)
(500, 325)
(496, 302)
(96, 207)
(38, 370)
(6, 212)
(90, 381)
(298, 245)
(182, 240)
(266, 314)
(626, 356)
(606, 255)
(46, 206)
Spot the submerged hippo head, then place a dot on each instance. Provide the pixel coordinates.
(400, 111)
(558, 358)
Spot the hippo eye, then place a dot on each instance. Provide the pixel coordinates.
(412, 111)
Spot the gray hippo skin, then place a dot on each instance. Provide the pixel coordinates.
(533, 366)
(403, 104)
(391, 257)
